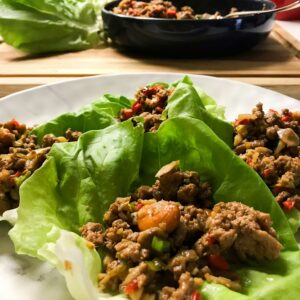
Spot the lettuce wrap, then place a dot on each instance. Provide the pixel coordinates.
(79, 181)
(186, 100)
(97, 115)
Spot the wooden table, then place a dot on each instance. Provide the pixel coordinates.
(274, 64)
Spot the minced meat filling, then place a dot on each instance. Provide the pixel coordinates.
(154, 9)
(149, 103)
(161, 245)
(270, 144)
(20, 156)
(161, 9)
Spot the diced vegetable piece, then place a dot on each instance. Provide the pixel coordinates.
(21, 178)
(127, 113)
(218, 262)
(288, 205)
(289, 137)
(267, 172)
(171, 13)
(196, 295)
(139, 205)
(160, 245)
(244, 119)
(136, 106)
(156, 265)
(211, 240)
(131, 287)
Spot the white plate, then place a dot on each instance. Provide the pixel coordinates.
(24, 278)
(39, 104)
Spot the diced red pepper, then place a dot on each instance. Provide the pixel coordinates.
(249, 161)
(18, 174)
(15, 123)
(139, 206)
(273, 111)
(196, 295)
(218, 262)
(288, 205)
(131, 287)
(286, 119)
(171, 13)
(150, 90)
(136, 106)
(210, 240)
(127, 113)
(267, 172)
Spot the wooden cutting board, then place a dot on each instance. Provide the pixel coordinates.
(274, 64)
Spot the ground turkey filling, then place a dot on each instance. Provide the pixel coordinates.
(164, 241)
(161, 9)
(20, 156)
(149, 103)
(269, 143)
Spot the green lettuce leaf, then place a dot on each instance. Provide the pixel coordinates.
(185, 101)
(79, 180)
(210, 104)
(39, 26)
(10, 216)
(188, 100)
(75, 183)
(75, 259)
(275, 280)
(98, 115)
(202, 151)
(293, 217)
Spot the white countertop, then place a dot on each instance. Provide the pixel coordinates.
(292, 27)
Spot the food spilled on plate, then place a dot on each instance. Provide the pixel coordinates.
(208, 228)
(163, 9)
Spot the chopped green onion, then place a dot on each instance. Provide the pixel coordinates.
(156, 265)
(21, 179)
(160, 245)
(132, 205)
(152, 266)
